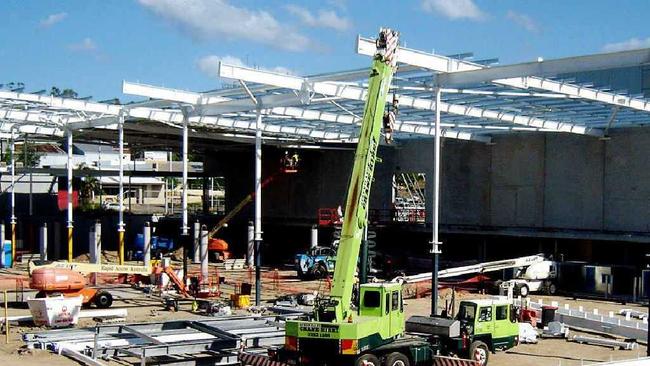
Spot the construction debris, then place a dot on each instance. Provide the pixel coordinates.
(555, 330)
(214, 340)
(611, 343)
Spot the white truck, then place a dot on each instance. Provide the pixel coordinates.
(536, 277)
(534, 273)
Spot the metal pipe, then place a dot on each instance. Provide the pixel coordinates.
(120, 224)
(70, 213)
(185, 143)
(13, 197)
(258, 204)
(435, 250)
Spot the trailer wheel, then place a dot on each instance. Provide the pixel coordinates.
(103, 299)
(479, 352)
(367, 360)
(551, 289)
(522, 289)
(396, 359)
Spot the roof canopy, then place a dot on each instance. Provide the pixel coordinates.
(478, 101)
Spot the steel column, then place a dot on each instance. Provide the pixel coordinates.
(204, 255)
(196, 251)
(13, 197)
(435, 250)
(146, 249)
(258, 205)
(70, 213)
(185, 143)
(120, 224)
(250, 248)
(43, 242)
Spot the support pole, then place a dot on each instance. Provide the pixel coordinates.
(258, 205)
(120, 224)
(96, 243)
(250, 250)
(314, 236)
(70, 213)
(13, 198)
(146, 250)
(43, 242)
(435, 250)
(185, 143)
(204, 255)
(196, 247)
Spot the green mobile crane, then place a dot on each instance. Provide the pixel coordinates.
(375, 332)
(338, 330)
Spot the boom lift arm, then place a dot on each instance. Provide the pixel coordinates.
(337, 307)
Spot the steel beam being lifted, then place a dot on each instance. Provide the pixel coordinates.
(358, 93)
(366, 46)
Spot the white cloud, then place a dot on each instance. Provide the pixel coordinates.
(630, 44)
(209, 65)
(218, 19)
(523, 21)
(324, 18)
(341, 4)
(53, 19)
(454, 9)
(85, 45)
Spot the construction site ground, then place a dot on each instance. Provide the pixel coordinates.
(149, 308)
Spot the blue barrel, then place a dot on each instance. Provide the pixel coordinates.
(7, 254)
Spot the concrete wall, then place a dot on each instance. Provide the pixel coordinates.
(539, 180)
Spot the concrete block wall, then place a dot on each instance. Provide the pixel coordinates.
(541, 180)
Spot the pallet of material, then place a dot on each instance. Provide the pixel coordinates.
(232, 264)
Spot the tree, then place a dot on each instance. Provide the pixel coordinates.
(27, 155)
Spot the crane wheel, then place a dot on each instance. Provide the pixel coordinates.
(367, 360)
(320, 271)
(396, 359)
(479, 352)
(103, 299)
(522, 289)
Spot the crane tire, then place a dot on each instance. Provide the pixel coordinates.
(397, 359)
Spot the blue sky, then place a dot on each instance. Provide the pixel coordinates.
(91, 46)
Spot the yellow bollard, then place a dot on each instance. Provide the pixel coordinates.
(13, 244)
(120, 246)
(6, 318)
(70, 244)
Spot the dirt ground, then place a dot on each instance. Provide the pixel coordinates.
(146, 308)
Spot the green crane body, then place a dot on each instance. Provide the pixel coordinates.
(380, 317)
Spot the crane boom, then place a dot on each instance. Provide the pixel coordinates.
(358, 197)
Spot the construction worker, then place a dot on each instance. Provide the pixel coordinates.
(294, 160)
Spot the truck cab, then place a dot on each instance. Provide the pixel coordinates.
(487, 326)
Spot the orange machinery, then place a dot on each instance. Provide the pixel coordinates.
(62, 281)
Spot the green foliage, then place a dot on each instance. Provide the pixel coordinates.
(29, 157)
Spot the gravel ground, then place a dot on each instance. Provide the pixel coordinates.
(146, 309)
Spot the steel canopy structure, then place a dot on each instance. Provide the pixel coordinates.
(463, 100)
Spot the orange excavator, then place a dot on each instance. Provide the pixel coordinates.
(289, 165)
(52, 282)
